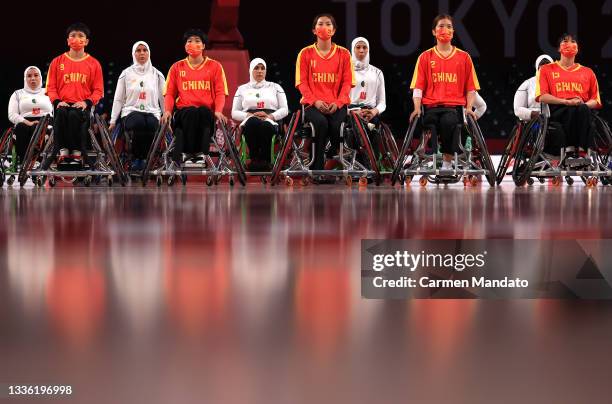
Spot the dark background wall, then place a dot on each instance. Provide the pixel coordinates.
(504, 48)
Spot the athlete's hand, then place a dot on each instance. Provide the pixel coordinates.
(415, 114)
(63, 105)
(472, 114)
(221, 117)
(322, 106)
(332, 108)
(165, 117)
(82, 105)
(111, 127)
(535, 114)
(260, 115)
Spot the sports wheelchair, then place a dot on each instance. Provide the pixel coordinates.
(472, 161)
(100, 161)
(532, 159)
(222, 160)
(356, 158)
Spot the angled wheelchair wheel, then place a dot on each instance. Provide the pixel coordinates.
(34, 148)
(234, 154)
(154, 153)
(509, 152)
(603, 141)
(529, 149)
(406, 149)
(483, 153)
(389, 149)
(364, 142)
(285, 148)
(109, 150)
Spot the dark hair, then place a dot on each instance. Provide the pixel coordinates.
(440, 17)
(78, 26)
(331, 17)
(195, 32)
(565, 36)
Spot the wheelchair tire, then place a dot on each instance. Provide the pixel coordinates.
(109, 148)
(404, 151)
(34, 148)
(530, 147)
(234, 155)
(388, 149)
(509, 152)
(152, 150)
(285, 147)
(365, 143)
(485, 157)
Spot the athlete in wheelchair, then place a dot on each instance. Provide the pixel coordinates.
(259, 106)
(527, 110)
(74, 86)
(445, 89)
(324, 128)
(569, 139)
(194, 100)
(137, 108)
(27, 107)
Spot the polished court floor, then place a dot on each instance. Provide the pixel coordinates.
(252, 295)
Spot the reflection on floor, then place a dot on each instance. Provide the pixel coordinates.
(252, 295)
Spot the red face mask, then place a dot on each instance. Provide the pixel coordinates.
(444, 35)
(568, 49)
(323, 33)
(76, 43)
(194, 49)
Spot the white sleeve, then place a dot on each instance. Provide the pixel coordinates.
(381, 100)
(161, 84)
(520, 102)
(283, 108)
(13, 110)
(480, 106)
(119, 100)
(237, 113)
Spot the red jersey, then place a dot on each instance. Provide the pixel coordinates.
(70, 80)
(201, 86)
(444, 80)
(577, 82)
(327, 78)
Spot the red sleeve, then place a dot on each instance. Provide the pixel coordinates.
(471, 79)
(52, 81)
(347, 81)
(171, 90)
(542, 86)
(301, 79)
(220, 88)
(419, 77)
(594, 90)
(98, 84)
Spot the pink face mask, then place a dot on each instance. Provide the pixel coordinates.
(323, 33)
(76, 44)
(194, 49)
(444, 35)
(568, 49)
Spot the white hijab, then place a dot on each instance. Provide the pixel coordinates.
(26, 87)
(360, 65)
(252, 66)
(540, 58)
(137, 67)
